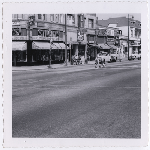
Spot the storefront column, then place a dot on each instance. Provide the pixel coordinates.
(14, 57)
(76, 50)
(29, 53)
(130, 51)
(85, 55)
(95, 52)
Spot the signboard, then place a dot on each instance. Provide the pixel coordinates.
(91, 42)
(110, 40)
(14, 23)
(45, 38)
(19, 37)
(80, 36)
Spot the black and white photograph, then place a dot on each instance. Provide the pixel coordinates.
(77, 75)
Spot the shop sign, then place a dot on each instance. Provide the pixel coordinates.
(44, 38)
(91, 42)
(14, 23)
(110, 40)
(19, 37)
(80, 36)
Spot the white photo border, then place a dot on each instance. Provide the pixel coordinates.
(75, 7)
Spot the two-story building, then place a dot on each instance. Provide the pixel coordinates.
(31, 43)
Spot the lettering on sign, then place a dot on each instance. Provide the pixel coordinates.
(19, 38)
(80, 36)
(91, 42)
(44, 38)
(110, 39)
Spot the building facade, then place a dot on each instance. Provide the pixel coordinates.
(32, 33)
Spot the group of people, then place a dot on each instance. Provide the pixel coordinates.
(99, 62)
(76, 59)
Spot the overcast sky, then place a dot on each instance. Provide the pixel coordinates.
(107, 16)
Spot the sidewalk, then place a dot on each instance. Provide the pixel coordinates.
(43, 67)
(53, 66)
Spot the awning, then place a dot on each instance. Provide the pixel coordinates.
(19, 46)
(92, 45)
(40, 45)
(103, 46)
(46, 45)
(113, 46)
(63, 46)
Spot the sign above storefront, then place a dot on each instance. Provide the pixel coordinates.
(91, 42)
(80, 36)
(110, 39)
(45, 38)
(19, 37)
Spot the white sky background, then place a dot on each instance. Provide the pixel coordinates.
(107, 16)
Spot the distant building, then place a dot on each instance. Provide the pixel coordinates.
(134, 32)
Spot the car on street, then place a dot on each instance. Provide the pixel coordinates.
(105, 56)
(135, 55)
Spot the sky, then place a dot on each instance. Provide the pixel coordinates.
(107, 16)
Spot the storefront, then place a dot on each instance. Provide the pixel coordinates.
(19, 52)
(92, 51)
(42, 50)
(104, 48)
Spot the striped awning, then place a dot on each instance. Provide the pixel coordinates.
(40, 45)
(19, 46)
(103, 46)
(46, 45)
(63, 46)
(113, 46)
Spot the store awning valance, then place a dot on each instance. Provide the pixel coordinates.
(113, 46)
(103, 46)
(46, 45)
(63, 46)
(19, 46)
(40, 45)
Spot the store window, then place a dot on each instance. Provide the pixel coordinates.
(34, 32)
(131, 33)
(17, 16)
(90, 37)
(16, 31)
(57, 18)
(90, 23)
(70, 19)
(52, 17)
(61, 34)
(61, 18)
(44, 17)
(23, 32)
(39, 16)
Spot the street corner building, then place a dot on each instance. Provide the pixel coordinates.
(40, 38)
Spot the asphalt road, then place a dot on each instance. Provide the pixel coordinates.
(78, 102)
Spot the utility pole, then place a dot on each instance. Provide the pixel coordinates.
(50, 53)
(66, 39)
(128, 36)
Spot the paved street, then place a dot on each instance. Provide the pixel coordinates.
(78, 102)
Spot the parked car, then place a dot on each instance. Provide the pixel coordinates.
(104, 56)
(135, 55)
(114, 56)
